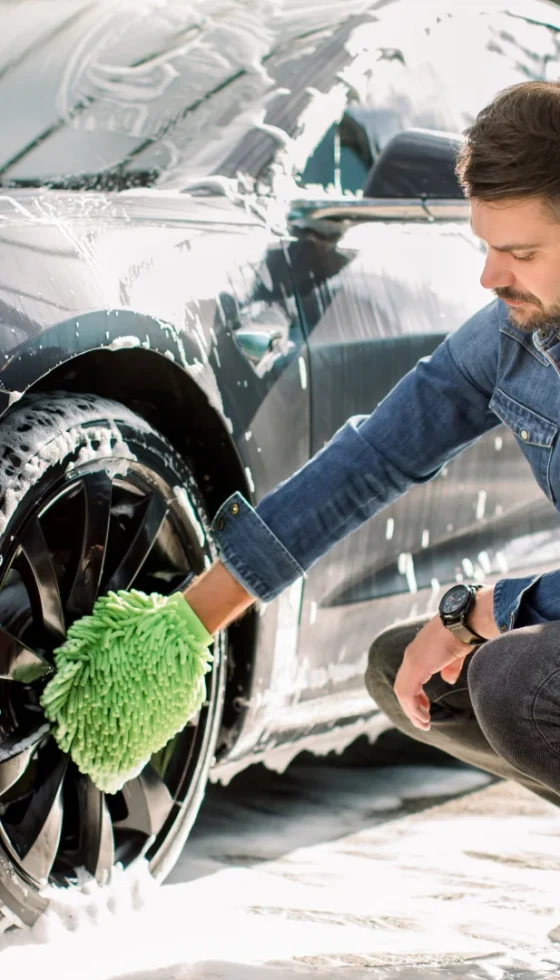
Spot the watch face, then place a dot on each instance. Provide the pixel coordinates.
(454, 600)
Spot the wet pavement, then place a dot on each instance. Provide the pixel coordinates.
(421, 871)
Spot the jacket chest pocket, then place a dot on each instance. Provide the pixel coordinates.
(535, 434)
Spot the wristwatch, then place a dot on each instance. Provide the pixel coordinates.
(454, 608)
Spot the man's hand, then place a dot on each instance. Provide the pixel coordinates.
(436, 650)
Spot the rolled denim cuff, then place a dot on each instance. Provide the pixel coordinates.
(508, 597)
(251, 552)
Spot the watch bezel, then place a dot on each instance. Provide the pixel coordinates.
(456, 621)
(455, 616)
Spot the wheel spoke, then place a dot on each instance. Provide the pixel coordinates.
(16, 752)
(18, 662)
(97, 847)
(97, 489)
(38, 574)
(37, 836)
(148, 801)
(140, 546)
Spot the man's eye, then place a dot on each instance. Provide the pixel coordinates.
(524, 258)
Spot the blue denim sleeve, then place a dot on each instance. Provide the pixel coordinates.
(429, 417)
(527, 601)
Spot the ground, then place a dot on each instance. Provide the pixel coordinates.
(391, 872)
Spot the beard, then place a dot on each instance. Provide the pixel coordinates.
(534, 316)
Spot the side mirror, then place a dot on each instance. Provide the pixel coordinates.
(416, 163)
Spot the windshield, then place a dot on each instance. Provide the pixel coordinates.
(143, 87)
(116, 93)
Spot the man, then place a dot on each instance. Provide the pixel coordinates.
(481, 679)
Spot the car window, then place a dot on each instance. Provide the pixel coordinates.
(342, 158)
(434, 68)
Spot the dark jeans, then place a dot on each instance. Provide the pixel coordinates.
(502, 714)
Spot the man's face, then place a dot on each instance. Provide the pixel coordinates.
(523, 259)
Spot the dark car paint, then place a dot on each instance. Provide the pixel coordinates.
(267, 320)
(108, 280)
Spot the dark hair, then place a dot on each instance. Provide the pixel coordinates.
(513, 147)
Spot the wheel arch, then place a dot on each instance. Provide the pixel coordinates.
(170, 400)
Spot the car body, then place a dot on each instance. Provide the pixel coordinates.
(183, 230)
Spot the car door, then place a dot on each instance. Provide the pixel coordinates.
(376, 295)
(375, 300)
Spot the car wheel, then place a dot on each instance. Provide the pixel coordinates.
(92, 498)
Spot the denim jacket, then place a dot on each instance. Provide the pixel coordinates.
(485, 373)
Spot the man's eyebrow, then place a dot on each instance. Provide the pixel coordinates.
(520, 247)
(512, 246)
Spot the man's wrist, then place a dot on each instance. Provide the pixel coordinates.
(481, 617)
(217, 598)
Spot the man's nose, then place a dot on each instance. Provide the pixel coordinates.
(496, 273)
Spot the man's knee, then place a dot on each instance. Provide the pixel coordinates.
(489, 691)
(505, 678)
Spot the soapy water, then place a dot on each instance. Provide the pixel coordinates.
(345, 876)
(87, 903)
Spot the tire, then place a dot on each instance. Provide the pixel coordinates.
(91, 498)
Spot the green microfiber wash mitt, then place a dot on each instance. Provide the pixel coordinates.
(128, 677)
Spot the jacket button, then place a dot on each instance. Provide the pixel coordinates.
(220, 523)
(503, 629)
(234, 509)
(524, 434)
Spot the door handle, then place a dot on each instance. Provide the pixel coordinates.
(257, 342)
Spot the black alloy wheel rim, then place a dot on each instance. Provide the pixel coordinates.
(89, 532)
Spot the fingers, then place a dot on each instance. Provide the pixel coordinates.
(421, 712)
(412, 698)
(416, 709)
(418, 714)
(431, 652)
